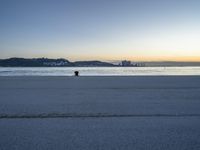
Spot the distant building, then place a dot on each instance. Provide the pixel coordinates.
(56, 63)
(126, 63)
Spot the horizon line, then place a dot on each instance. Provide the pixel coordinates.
(116, 60)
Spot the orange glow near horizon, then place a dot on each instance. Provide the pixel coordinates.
(168, 58)
(138, 58)
(110, 57)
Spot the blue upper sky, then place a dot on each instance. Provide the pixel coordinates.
(100, 29)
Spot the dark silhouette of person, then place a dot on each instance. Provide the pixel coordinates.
(76, 73)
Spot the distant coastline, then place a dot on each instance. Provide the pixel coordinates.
(46, 62)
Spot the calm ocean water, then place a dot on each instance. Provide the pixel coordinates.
(98, 71)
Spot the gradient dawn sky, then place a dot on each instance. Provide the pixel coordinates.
(101, 29)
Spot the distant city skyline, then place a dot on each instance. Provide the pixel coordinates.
(107, 30)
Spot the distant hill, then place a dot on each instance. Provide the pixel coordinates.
(35, 62)
(92, 64)
(45, 62)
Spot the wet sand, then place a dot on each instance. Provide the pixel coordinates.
(141, 112)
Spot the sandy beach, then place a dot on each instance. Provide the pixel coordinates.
(138, 112)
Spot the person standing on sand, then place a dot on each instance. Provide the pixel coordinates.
(76, 73)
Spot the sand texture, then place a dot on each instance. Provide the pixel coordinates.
(141, 112)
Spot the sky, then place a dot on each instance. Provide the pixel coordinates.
(150, 30)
